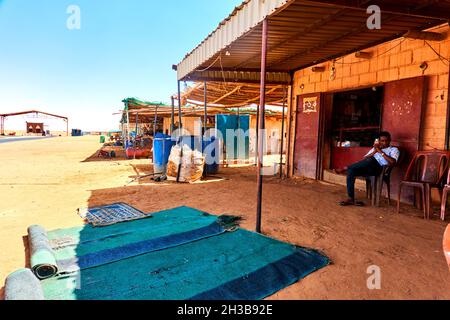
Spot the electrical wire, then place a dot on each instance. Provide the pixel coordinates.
(210, 66)
(441, 57)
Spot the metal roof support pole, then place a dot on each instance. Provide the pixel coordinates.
(155, 121)
(282, 132)
(205, 119)
(172, 124)
(128, 122)
(179, 107)
(67, 127)
(257, 135)
(2, 125)
(239, 137)
(262, 103)
(136, 128)
(180, 126)
(135, 135)
(289, 131)
(447, 130)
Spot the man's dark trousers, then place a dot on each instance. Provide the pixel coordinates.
(366, 168)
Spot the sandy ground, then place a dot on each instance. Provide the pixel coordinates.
(44, 182)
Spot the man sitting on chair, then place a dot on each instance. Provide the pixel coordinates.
(382, 154)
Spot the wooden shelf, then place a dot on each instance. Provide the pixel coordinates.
(357, 129)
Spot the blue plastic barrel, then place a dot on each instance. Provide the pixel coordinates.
(201, 144)
(193, 142)
(212, 155)
(162, 145)
(211, 152)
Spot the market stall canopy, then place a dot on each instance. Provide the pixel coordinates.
(135, 105)
(145, 112)
(302, 33)
(230, 95)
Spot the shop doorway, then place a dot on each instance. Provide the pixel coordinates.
(356, 122)
(353, 119)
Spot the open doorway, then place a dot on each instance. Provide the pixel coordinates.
(356, 121)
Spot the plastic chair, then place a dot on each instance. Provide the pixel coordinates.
(447, 245)
(374, 184)
(445, 192)
(426, 171)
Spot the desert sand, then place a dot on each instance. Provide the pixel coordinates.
(45, 181)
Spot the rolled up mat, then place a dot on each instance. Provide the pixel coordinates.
(42, 257)
(23, 285)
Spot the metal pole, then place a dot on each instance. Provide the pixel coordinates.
(262, 103)
(172, 125)
(179, 107)
(447, 130)
(206, 108)
(205, 120)
(180, 127)
(135, 134)
(257, 135)
(136, 129)
(282, 132)
(67, 126)
(289, 131)
(128, 121)
(239, 136)
(154, 122)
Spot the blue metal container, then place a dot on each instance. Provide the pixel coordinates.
(75, 133)
(162, 145)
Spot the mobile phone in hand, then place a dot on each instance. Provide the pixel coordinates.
(377, 143)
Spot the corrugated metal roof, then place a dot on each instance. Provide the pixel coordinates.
(301, 33)
(242, 20)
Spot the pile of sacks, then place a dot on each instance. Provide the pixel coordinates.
(192, 164)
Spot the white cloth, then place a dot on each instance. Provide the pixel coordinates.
(392, 152)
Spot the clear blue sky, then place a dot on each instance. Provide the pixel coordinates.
(125, 48)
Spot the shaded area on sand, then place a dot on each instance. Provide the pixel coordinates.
(187, 254)
(219, 265)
